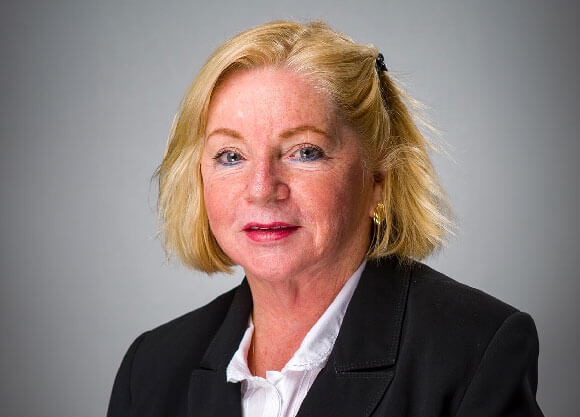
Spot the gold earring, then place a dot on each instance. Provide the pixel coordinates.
(379, 214)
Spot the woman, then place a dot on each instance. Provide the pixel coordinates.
(295, 157)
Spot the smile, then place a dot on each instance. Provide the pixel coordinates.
(268, 228)
(269, 232)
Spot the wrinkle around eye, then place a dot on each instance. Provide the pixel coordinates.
(317, 153)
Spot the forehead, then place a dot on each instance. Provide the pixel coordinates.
(269, 98)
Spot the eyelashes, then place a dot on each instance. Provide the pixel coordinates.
(308, 153)
(305, 152)
(228, 157)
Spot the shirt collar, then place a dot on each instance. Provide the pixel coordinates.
(315, 349)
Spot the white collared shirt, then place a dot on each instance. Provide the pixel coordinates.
(281, 393)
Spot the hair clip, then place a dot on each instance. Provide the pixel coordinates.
(380, 63)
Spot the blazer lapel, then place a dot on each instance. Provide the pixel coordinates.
(361, 365)
(209, 393)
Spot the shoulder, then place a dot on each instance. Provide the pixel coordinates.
(457, 346)
(474, 344)
(436, 313)
(181, 340)
(454, 325)
(432, 299)
(158, 364)
(197, 323)
(436, 294)
(450, 311)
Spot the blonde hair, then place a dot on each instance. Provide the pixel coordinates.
(415, 204)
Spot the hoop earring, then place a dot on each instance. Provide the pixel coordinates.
(379, 214)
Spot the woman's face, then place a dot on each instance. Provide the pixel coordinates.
(284, 185)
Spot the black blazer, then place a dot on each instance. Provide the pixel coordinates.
(413, 343)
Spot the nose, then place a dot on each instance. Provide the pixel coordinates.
(265, 182)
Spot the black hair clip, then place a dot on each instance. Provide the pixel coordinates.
(380, 63)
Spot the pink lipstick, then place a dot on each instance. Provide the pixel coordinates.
(260, 232)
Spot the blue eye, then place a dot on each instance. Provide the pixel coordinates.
(228, 158)
(309, 153)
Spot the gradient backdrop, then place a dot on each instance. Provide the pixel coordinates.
(88, 92)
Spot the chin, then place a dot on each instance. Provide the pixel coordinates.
(273, 273)
(274, 263)
(274, 270)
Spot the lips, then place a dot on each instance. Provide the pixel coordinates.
(261, 232)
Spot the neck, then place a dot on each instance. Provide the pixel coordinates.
(285, 311)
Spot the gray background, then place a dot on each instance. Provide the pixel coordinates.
(88, 91)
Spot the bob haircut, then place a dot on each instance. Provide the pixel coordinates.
(395, 150)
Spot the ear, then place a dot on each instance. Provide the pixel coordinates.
(377, 190)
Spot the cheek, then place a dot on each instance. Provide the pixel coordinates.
(218, 210)
(218, 195)
(331, 203)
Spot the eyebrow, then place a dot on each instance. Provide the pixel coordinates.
(304, 128)
(225, 131)
(284, 135)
